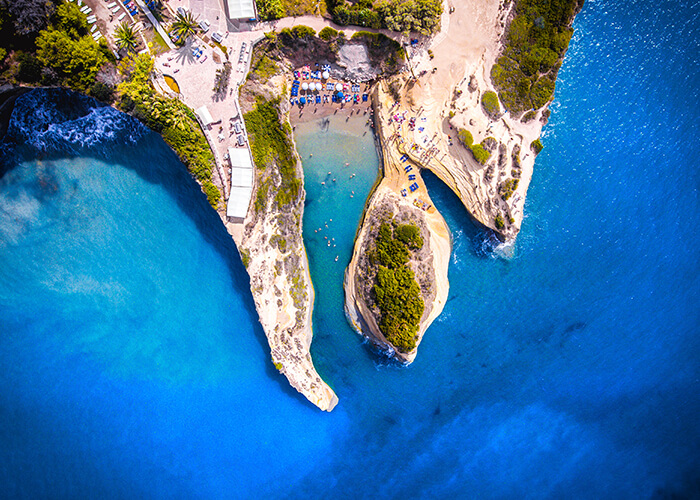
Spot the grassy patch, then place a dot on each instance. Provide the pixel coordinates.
(245, 257)
(327, 34)
(212, 192)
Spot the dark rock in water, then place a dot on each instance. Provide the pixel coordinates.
(436, 412)
(578, 325)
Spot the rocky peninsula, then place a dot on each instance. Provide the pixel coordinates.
(445, 115)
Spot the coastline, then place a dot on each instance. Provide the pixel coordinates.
(445, 96)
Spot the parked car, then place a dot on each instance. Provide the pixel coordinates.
(204, 26)
(217, 37)
(241, 140)
(181, 11)
(237, 127)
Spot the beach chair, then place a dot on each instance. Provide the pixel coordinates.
(412, 177)
(364, 97)
(403, 193)
(413, 186)
(318, 99)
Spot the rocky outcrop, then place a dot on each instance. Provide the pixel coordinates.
(387, 200)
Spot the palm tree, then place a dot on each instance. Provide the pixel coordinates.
(125, 37)
(184, 25)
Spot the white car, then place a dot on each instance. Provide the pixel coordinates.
(217, 37)
(204, 26)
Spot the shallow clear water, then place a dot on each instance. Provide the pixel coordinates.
(132, 363)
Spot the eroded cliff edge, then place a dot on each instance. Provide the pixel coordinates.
(270, 241)
(446, 116)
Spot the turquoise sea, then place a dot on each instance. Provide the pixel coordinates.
(132, 364)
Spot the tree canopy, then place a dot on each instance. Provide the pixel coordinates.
(75, 61)
(396, 292)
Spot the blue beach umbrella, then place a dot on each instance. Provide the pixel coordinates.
(302, 100)
(340, 95)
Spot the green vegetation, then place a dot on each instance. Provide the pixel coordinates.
(481, 152)
(293, 8)
(536, 146)
(529, 116)
(327, 34)
(212, 192)
(125, 36)
(221, 80)
(507, 188)
(49, 45)
(382, 50)
(245, 257)
(262, 68)
(422, 16)
(170, 117)
(270, 144)
(269, 10)
(184, 26)
(499, 222)
(465, 137)
(71, 21)
(396, 292)
(537, 39)
(489, 101)
(74, 61)
(278, 241)
(302, 31)
(278, 365)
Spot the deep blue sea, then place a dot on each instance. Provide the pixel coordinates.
(132, 364)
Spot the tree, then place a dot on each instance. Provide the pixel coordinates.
(125, 37)
(77, 61)
(185, 25)
(29, 16)
(270, 9)
(70, 20)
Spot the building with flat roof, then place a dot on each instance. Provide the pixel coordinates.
(204, 116)
(241, 9)
(241, 182)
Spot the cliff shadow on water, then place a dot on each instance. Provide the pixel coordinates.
(482, 241)
(55, 124)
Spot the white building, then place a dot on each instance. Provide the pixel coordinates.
(241, 182)
(204, 116)
(241, 9)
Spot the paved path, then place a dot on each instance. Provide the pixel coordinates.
(155, 23)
